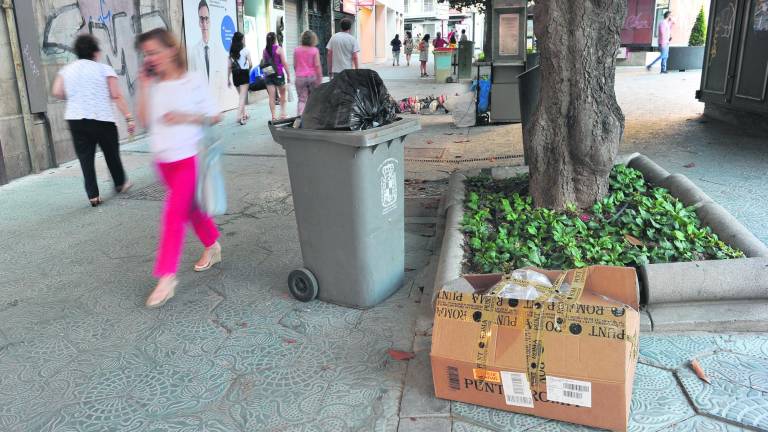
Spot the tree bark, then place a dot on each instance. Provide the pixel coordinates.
(574, 134)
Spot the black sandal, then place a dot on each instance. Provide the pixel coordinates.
(95, 202)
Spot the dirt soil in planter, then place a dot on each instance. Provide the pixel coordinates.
(637, 223)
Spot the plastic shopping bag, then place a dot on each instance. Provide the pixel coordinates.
(211, 192)
(356, 99)
(291, 93)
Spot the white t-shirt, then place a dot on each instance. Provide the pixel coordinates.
(343, 46)
(87, 90)
(243, 59)
(188, 94)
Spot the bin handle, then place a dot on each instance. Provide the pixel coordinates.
(283, 121)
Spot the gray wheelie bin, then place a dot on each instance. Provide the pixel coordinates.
(348, 197)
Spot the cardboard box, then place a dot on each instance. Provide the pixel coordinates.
(583, 374)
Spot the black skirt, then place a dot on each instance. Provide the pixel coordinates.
(240, 77)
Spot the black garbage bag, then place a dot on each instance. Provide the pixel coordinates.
(356, 99)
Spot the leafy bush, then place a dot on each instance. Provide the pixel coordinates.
(699, 30)
(634, 225)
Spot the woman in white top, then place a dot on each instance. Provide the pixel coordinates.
(239, 71)
(90, 88)
(175, 106)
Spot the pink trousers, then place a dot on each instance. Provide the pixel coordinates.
(179, 209)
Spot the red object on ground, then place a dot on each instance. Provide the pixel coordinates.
(400, 355)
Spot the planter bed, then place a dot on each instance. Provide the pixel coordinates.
(698, 277)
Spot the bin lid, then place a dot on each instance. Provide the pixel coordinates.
(283, 131)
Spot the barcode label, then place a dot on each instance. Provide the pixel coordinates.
(453, 378)
(572, 394)
(569, 391)
(517, 391)
(575, 387)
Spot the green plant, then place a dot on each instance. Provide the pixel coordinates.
(699, 30)
(635, 224)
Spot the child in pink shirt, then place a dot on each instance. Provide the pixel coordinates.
(306, 63)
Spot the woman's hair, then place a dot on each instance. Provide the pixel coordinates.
(426, 38)
(309, 38)
(397, 36)
(453, 39)
(86, 47)
(238, 42)
(271, 38)
(167, 39)
(408, 35)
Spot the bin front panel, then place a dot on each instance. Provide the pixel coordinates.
(349, 208)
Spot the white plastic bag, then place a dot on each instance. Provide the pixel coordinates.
(527, 292)
(211, 192)
(463, 110)
(291, 93)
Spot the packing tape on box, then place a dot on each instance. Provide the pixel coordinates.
(551, 311)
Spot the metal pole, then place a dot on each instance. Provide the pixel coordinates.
(26, 115)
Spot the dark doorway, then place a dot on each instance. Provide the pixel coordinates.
(320, 22)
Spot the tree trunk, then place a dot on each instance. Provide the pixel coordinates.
(574, 133)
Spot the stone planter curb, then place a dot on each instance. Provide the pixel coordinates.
(663, 286)
(727, 227)
(452, 250)
(734, 279)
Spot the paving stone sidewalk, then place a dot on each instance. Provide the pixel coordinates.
(233, 351)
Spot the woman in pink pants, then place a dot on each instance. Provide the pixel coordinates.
(175, 105)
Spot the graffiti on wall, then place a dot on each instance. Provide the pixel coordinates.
(115, 23)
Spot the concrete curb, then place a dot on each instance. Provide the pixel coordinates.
(685, 190)
(727, 227)
(719, 316)
(452, 250)
(706, 280)
(730, 230)
(663, 286)
(651, 171)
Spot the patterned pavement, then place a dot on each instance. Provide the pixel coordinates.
(233, 352)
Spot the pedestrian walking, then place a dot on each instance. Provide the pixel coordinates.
(424, 54)
(451, 34)
(89, 88)
(439, 42)
(342, 49)
(175, 105)
(309, 71)
(239, 72)
(665, 37)
(408, 47)
(396, 43)
(275, 68)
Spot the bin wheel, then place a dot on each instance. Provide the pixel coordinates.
(302, 284)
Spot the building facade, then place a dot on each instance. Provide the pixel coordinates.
(36, 39)
(639, 36)
(377, 23)
(426, 17)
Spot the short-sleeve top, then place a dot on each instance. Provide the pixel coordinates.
(242, 61)
(87, 90)
(188, 94)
